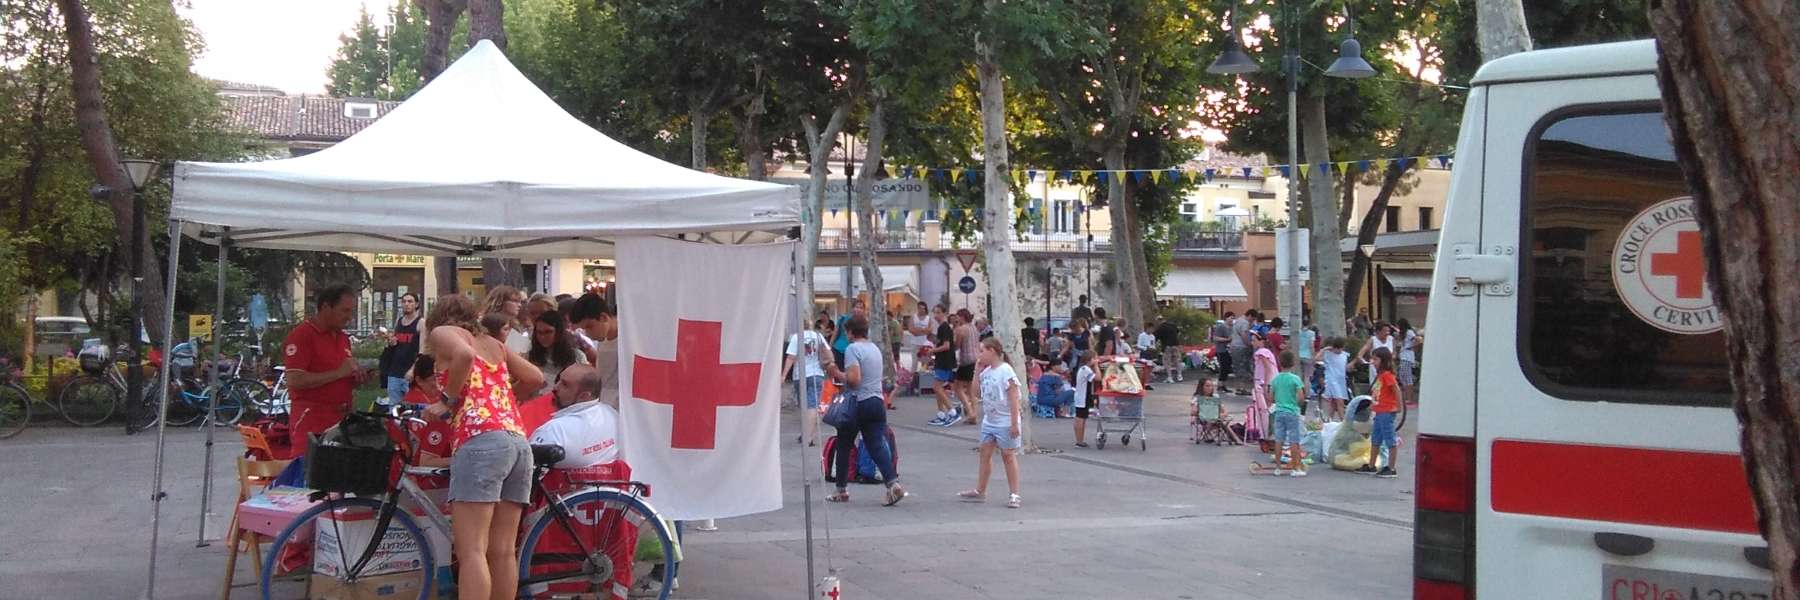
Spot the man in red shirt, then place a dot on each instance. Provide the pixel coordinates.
(321, 374)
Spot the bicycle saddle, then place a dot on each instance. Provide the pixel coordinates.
(545, 455)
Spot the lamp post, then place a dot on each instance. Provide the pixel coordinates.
(1349, 65)
(141, 172)
(1368, 251)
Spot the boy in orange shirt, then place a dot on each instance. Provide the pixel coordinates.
(1387, 404)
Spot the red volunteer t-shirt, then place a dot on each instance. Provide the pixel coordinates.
(313, 350)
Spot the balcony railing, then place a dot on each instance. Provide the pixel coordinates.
(1210, 241)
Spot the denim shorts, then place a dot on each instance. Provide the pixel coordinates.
(1287, 428)
(491, 467)
(944, 375)
(1001, 436)
(1381, 432)
(815, 386)
(396, 391)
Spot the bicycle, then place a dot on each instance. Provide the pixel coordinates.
(92, 397)
(188, 407)
(15, 401)
(583, 543)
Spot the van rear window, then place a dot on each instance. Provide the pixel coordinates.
(1614, 302)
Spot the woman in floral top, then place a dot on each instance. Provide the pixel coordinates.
(490, 462)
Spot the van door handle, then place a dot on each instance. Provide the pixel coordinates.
(1624, 544)
(1471, 269)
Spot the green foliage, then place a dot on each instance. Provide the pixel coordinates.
(1194, 324)
(381, 60)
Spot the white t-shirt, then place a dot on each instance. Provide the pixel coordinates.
(996, 407)
(587, 431)
(1082, 378)
(1406, 347)
(814, 345)
(517, 342)
(1146, 341)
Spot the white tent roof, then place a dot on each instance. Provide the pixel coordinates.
(479, 160)
(1217, 283)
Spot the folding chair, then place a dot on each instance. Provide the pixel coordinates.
(253, 476)
(1212, 424)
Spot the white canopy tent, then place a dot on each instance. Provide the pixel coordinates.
(481, 163)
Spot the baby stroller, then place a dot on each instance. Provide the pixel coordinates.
(1212, 424)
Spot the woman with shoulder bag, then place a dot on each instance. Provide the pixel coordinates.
(868, 413)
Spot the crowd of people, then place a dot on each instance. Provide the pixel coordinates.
(474, 366)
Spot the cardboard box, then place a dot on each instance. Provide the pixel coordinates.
(342, 537)
(393, 585)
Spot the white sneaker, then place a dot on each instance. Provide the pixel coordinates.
(1297, 474)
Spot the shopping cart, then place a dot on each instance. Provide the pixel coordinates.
(1122, 412)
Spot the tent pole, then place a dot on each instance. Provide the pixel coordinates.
(162, 424)
(812, 580)
(212, 383)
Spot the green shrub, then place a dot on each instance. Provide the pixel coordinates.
(1193, 323)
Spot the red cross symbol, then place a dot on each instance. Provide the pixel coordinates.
(1686, 264)
(833, 594)
(695, 384)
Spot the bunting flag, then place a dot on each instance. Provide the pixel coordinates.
(1104, 177)
(1032, 175)
(1209, 174)
(1247, 171)
(1343, 168)
(975, 173)
(834, 213)
(1156, 177)
(1283, 169)
(1019, 176)
(918, 172)
(890, 171)
(931, 214)
(1444, 159)
(1403, 162)
(1381, 164)
(955, 176)
(1322, 168)
(1305, 171)
(1085, 174)
(1137, 176)
(1363, 165)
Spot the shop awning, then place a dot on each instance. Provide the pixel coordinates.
(829, 281)
(1408, 281)
(1216, 283)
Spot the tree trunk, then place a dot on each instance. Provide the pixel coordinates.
(1366, 231)
(819, 143)
(440, 21)
(1348, 206)
(750, 143)
(445, 267)
(997, 222)
(1500, 28)
(1327, 264)
(697, 122)
(1126, 251)
(487, 22)
(103, 157)
(34, 161)
(866, 250)
(1728, 85)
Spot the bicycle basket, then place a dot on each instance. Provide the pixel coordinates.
(93, 359)
(334, 468)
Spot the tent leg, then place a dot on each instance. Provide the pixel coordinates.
(156, 489)
(812, 580)
(212, 409)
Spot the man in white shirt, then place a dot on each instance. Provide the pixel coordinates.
(806, 348)
(585, 427)
(1146, 340)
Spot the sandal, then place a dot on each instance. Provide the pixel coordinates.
(971, 496)
(1081, 444)
(1012, 501)
(838, 497)
(895, 494)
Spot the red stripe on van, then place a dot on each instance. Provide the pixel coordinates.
(1669, 488)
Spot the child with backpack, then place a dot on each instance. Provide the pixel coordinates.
(1000, 408)
(1387, 404)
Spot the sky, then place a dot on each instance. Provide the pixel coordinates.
(282, 43)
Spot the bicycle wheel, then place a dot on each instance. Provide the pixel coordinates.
(89, 400)
(184, 409)
(610, 540)
(15, 410)
(1400, 419)
(289, 565)
(256, 397)
(234, 401)
(148, 413)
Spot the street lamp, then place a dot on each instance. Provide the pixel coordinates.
(1368, 251)
(141, 172)
(1349, 65)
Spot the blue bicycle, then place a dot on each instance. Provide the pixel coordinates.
(192, 404)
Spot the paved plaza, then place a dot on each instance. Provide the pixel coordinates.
(1176, 521)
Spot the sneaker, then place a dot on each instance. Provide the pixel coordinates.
(1387, 473)
(1012, 501)
(1366, 470)
(1297, 474)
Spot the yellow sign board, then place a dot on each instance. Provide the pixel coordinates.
(200, 326)
(399, 260)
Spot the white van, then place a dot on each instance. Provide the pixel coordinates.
(1576, 437)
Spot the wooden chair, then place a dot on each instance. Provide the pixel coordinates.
(253, 476)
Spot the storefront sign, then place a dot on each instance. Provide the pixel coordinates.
(399, 260)
(890, 194)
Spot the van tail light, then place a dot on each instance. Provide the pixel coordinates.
(1444, 519)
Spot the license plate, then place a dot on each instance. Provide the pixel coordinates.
(1619, 582)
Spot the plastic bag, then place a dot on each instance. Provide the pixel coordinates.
(1341, 440)
(1312, 443)
(1352, 459)
(1120, 378)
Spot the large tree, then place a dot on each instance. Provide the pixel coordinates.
(1731, 95)
(1138, 66)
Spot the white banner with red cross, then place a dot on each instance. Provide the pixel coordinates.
(699, 373)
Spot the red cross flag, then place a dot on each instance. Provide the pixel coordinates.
(699, 373)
